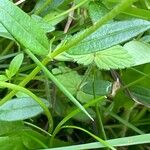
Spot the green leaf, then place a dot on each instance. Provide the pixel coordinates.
(10, 127)
(141, 94)
(137, 12)
(3, 78)
(139, 51)
(112, 58)
(20, 109)
(99, 87)
(23, 28)
(14, 65)
(70, 80)
(118, 142)
(109, 35)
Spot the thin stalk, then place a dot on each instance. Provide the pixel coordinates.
(73, 113)
(57, 83)
(114, 12)
(38, 100)
(36, 127)
(98, 112)
(69, 10)
(92, 135)
(7, 48)
(109, 16)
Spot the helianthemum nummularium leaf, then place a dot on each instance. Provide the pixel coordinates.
(23, 28)
(109, 35)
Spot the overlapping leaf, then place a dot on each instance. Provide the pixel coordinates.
(23, 28)
(109, 35)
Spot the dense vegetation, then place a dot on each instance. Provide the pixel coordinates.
(74, 74)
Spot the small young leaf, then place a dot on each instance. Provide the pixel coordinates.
(20, 109)
(14, 65)
(109, 35)
(23, 28)
(139, 51)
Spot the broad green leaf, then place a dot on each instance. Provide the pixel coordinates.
(142, 95)
(139, 51)
(99, 87)
(23, 28)
(70, 80)
(20, 109)
(14, 65)
(13, 142)
(112, 58)
(109, 35)
(28, 139)
(96, 11)
(4, 33)
(10, 127)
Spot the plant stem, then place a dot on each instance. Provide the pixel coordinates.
(69, 10)
(38, 100)
(91, 134)
(73, 113)
(114, 12)
(36, 127)
(57, 83)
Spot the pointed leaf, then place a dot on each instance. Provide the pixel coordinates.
(109, 35)
(23, 28)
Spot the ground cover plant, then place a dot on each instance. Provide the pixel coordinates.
(74, 74)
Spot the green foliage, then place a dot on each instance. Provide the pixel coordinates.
(24, 30)
(89, 85)
(20, 109)
(109, 35)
